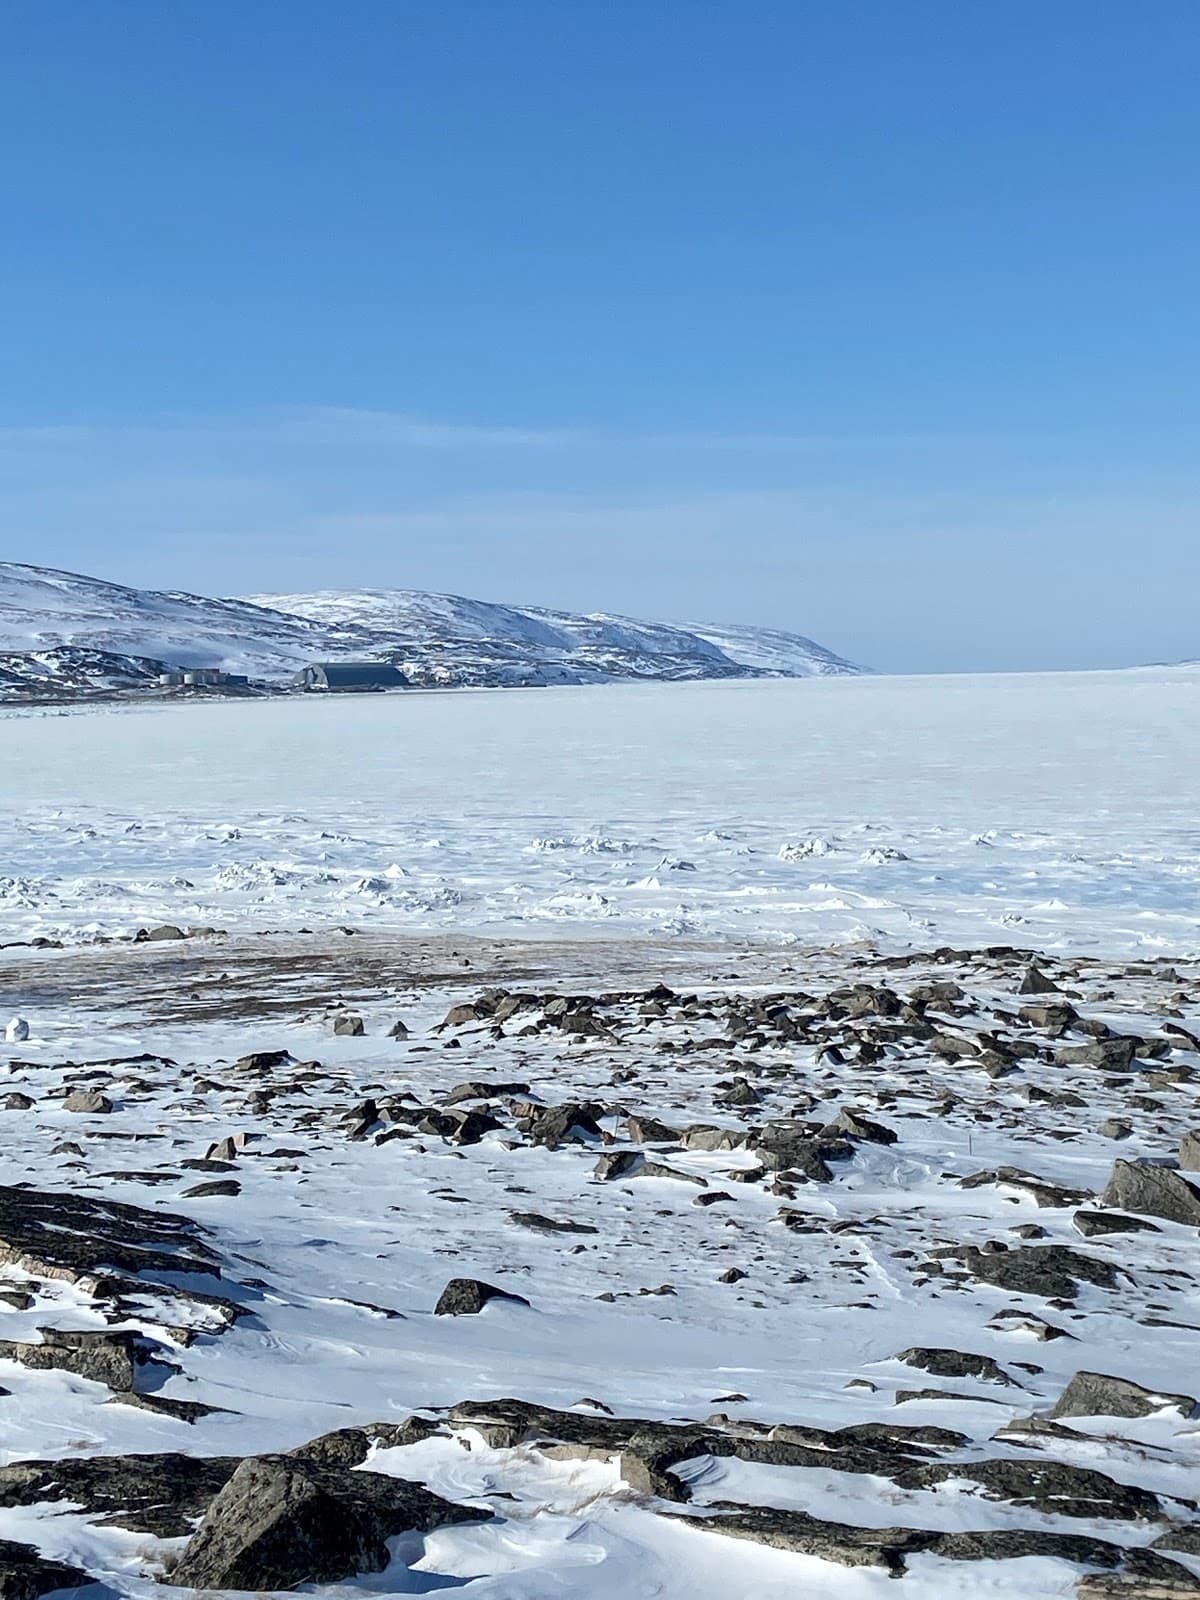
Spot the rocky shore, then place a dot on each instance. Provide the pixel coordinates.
(320, 1259)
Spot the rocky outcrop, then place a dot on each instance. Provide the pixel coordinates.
(1097, 1394)
(283, 1521)
(1153, 1191)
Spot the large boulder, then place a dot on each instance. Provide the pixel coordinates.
(466, 1297)
(1152, 1191)
(1035, 981)
(1097, 1394)
(109, 1358)
(88, 1101)
(566, 1124)
(283, 1521)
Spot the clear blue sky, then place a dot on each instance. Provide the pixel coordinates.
(878, 320)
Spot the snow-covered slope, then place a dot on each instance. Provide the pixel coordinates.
(778, 654)
(43, 610)
(66, 632)
(446, 638)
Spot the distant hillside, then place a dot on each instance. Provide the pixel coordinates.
(445, 638)
(65, 635)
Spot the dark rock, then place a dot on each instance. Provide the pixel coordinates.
(477, 1089)
(1053, 1017)
(648, 1130)
(159, 1494)
(738, 1092)
(541, 1224)
(855, 1126)
(707, 1138)
(349, 1447)
(24, 1574)
(109, 1358)
(1096, 1224)
(349, 1025)
(618, 1164)
(810, 1536)
(104, 1244)
(459, 1016)
(207, 1191)
(227, 1149)
(1013, 1544)
(1145, 1576)
(1152, 1191)
(583, 1025)
(1053, 1487)
(1114, 1055)
(466, 1297)
(162, 1405)
(283, 1521)
(1184, 1536)
(953, 1364)
(459, 1127)
(1053, 1271)
(1097, 1394)
(1046, 1194)
(798, 1147)
(263, 1061)
(566, 1124)
(1036, 982)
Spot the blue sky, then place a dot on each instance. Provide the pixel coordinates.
(874, 320)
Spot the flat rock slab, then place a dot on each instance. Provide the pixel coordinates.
(76, 1237)
(1052, 1271)
(163, 1494)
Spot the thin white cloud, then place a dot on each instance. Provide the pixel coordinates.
(394, 430)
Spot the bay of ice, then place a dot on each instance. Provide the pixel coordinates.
(1056, 811)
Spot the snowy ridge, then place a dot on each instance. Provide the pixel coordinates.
(447, 638)
(76, 634)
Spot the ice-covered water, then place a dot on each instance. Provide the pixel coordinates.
(1050, 810)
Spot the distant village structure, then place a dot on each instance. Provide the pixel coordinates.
(344, 676)
(202, 678)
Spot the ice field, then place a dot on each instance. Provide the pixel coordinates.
(1057, 811)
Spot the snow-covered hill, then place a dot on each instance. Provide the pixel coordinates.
(66, 633)
(445, 638)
